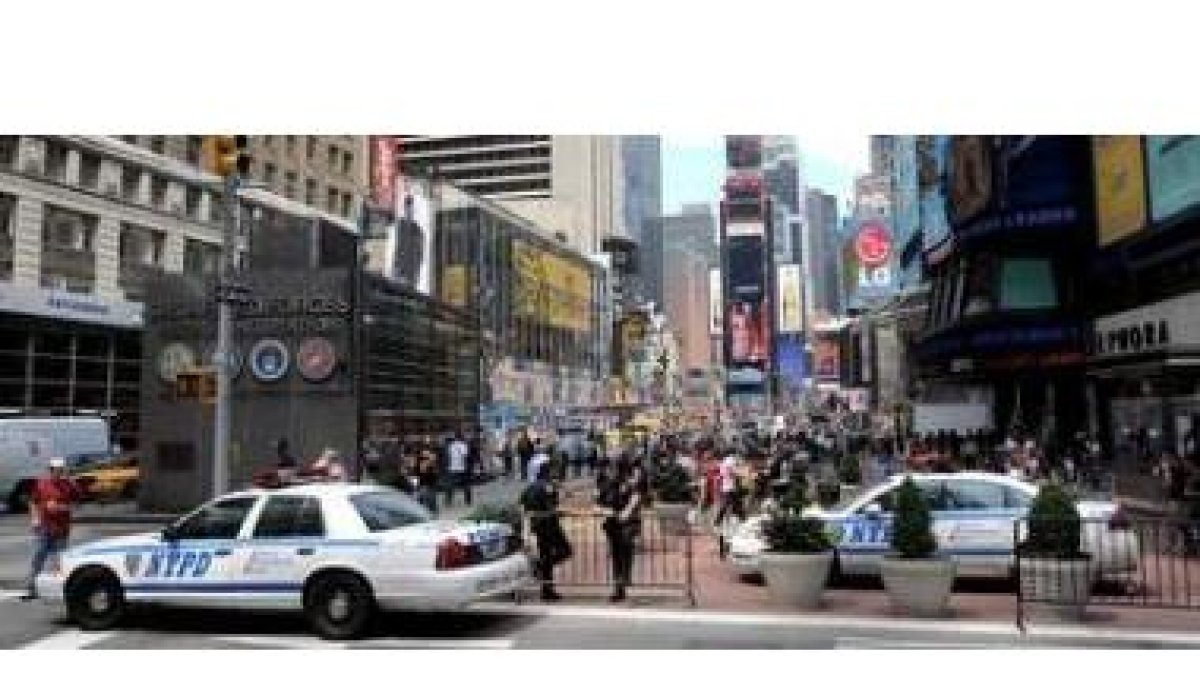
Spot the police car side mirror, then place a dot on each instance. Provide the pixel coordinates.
(873, 510)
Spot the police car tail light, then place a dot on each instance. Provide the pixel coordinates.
(452, 554)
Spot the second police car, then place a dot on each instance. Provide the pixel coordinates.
(337, 552)
(975, 518)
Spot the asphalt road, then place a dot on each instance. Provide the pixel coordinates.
(499, 626)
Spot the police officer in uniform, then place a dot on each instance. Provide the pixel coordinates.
(540, 501)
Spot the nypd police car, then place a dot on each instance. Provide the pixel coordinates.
(337, 552)
(974, 519)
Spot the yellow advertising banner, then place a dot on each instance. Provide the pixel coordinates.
(454, 285)
(550, 289)
(1120, 187)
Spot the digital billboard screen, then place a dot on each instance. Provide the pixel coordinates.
(744, 265)
(1173, 167)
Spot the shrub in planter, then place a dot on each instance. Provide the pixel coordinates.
(916, 578)
(850, 470)
(1054, 568)
(675, 495)
(798, 556)
(507, 514)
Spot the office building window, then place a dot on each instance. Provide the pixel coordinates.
(131, 183)
(347, 162)
(200, 257)
(195, 150)
(310, 192)
(269, 141)
(89, 171)
(269, 174)
(68, 230)
(56, 161)
(291, 145)
(333, 158)
(132, 140)
(158, 192)
(191, 201)
(8, 151)
(141, 246)
(289, 188)
(347, 200)
(158, 144)
(310, 147)
(331, 202)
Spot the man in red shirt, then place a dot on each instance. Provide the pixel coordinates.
(51, 513)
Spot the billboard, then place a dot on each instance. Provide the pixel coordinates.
(1119, 174)
(931, 195)
(1017, 183)
(827, 360)
(454, 285)
(1173, 167)
(744, 264)
(791, 309)
(716, 321)
(383, 171)
(550, 289)
(748, 333)
(408, 255)
(789, 352)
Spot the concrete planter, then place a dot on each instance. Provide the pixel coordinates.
(920, 587)
(797, 578)
(1064, 584)
(673, 516)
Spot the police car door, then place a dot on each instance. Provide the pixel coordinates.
(865, 534)
(977, 526)
(196, 559)
(282, 546)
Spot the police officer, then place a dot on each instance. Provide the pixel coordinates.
(540, 501)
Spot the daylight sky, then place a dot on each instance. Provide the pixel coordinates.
(694, 167)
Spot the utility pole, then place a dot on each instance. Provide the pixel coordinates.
(226, 156)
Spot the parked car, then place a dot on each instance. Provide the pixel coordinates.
(975, 521)
(338, 552)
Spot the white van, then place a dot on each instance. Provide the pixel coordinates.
(28, 443)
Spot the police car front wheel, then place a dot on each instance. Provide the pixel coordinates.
(339, 605)
(95, 599)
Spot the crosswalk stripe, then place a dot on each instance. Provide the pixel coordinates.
(69, 639)
(312, 642)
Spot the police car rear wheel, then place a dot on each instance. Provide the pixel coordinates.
(95, 600)
(339, 605)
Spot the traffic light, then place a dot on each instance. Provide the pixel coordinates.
(226, 155)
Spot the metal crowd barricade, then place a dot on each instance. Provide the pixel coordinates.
(1147, 563)
(663, 558)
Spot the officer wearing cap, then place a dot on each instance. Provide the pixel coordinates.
(50, 511)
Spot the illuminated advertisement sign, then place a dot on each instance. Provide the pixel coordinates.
(1120, 186)
(1016, 183)
(745, 269)
(873, 244)
(1173, 166)
(408, 256)
(748, 333)
(827, 360)
(549, 289)
(383, 171)
(715, 315)
(789, 352)
(791, 310)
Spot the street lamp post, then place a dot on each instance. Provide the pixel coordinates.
(221, 425)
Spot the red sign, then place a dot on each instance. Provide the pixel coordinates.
(383, 171)
(873, 245)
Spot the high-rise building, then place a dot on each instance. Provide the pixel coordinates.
(641, 159)
(822, 259)
(882, 152)
(685, 290)
(785, 187)
(692, 229)
(328, 173)
(570, 186)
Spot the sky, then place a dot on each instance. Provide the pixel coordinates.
(694, 166)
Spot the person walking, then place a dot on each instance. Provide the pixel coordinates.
(525, 450)
(50, 513)
(540, 502)
(540, 456)
(329, 467)
(428, 476)
(622, 503)
(285, 462)
(458, 465)
(507, 453)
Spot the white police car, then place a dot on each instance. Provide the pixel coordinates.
(974, 516)
(336, 551)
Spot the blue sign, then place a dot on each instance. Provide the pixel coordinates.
(1173, 169)
(269, 360)
(789, 351)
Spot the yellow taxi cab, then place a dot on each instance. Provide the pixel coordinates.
(112, 480)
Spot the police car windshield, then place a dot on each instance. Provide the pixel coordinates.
(387, 510)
